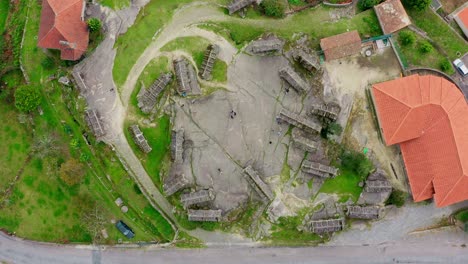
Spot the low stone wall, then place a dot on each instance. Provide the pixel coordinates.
(325, 2)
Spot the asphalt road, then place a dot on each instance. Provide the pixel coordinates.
(17, 251)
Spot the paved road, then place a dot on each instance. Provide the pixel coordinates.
(16, 251)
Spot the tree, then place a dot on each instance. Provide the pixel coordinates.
(45, 146)
(48, 63)
(366, 4)
(418, 5)
(273, 8)
(332, 128)
(425, 47)
(357, 162)
(397, 198)
(72, 172)
(94, 24)
(445, 65)
(407, 37)
(94, 220)
(27, 98)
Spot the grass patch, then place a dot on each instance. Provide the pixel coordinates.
(159, 138)
(462, 216)
(249, 29)
(115, 4)
(285, 233)
(4, 8)
(345, 185)
(440, 32)
(416, 57)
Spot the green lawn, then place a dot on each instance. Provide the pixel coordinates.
(440, 32)
(415, 57)
(4, 8)
(462, 216)
(41, 206)
(345, 185)
(115, 4)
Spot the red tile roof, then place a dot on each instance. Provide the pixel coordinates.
(341, 45)
(62, 28)
(428, 117)
(462, 19)
(392, 16)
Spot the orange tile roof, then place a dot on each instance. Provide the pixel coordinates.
(428, 117)
(463, 15)
(62, 28)
(341, 45)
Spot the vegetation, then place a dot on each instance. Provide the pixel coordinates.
(115, 4)
(4, 8)
(418, 5)
(462, 215)
(273, 8)
(356, 162)
(72, 172)
(445, 66)
(39, 205)
(366, 4)
(330, 129)
(27, 98)
(397, 198)
(94, 24)
(285, 233)
(406, 37)
(425, 47)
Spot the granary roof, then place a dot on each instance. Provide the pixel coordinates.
(428, 117)
(392, 16)
(62, 28)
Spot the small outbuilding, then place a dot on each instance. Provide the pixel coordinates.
(392, 16)
(341, 45)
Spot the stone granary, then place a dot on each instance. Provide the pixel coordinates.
(92, 119)
(204, 215)
(330, 111)
(186, 77)
(265, 46)
(139, 138)
(364, 212)
(325, 226)
(293, 79)
(211, 54)
(237, 5)
(262, 189)
(377, 189)
(197, 197)
(177, 145)
(302, 140)
(319, 170)
(308, 61)
(175, 181)
(147, 97)
(298, 121)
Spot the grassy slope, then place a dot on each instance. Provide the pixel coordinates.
(42, 207)
(345, 185)
(440, 32)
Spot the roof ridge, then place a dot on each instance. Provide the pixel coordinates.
(451, 190)
(393, 97)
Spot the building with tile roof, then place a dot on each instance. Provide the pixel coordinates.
(461, 18)
(392, 16)
(428, 117)
(341, 45)
(62, 27)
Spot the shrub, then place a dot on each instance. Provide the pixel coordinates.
(94, 24)
(331, 129)
(426, 47)
(48, 63)
(273, 8)
(407, 38)
(445, 65)
(366, 4)
(71, 172)
(418, 5)
(356, 162)
(397, 198)
(27, 98)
